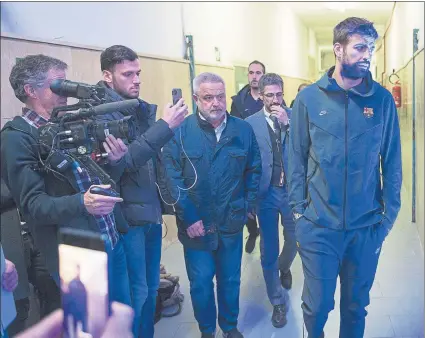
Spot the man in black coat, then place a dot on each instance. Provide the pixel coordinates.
(142, 207)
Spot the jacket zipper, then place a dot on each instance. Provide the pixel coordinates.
(152, 184)
(346, 158)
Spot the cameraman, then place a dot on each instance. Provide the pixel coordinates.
(142, 206)
(50, 199)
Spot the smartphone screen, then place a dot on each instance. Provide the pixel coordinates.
(83, 269)
(177, 95)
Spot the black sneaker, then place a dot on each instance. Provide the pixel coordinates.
(233, 333)
(279, 316)
(286, 279)
(250, 243)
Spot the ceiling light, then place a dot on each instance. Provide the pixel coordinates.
(340, 6)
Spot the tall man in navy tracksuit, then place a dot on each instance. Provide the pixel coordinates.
(344, 129)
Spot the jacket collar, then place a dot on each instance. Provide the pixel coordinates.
(366, 88)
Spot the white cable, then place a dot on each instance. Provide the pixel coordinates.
(180, 188)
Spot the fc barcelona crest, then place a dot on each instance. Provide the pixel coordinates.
(368, 112)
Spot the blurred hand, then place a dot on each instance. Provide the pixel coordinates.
(100, 205)
(118, 325)
(115, 148)
(280, 113)
(196, 230)
(9, 280)
(174, 115)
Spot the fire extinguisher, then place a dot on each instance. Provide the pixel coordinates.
(396, 90)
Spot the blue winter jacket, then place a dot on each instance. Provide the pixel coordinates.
(340, 142)
(227, 177)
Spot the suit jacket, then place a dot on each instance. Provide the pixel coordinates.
(259, 124)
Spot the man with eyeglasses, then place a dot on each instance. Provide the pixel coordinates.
(271, 128)
(213, 167)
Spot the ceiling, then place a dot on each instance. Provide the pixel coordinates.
(320, 18)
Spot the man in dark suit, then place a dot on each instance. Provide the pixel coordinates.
(271, 128)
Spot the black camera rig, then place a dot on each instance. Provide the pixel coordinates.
(77, 137)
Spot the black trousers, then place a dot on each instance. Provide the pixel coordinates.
(252, 226)
(47, 292)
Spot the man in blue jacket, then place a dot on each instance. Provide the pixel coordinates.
(344, 129)
(213, 167)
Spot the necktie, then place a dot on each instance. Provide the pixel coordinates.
(276, 125)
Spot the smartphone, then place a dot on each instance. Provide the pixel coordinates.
(83, 270)
(177, 95)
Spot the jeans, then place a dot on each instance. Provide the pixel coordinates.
(327, 253)
(225, 264)
(143, 252)
(275, 203)
(119, 286)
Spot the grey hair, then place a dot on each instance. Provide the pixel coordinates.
(206, 78)
(270, 79)
(32, 70)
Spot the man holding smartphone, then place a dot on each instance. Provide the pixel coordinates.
(142, 207)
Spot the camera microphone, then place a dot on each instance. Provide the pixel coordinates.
(75, 89)
(115, 106)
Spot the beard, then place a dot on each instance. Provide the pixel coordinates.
(124, 93)
(253, 84)
(353, 71)
(213, 117)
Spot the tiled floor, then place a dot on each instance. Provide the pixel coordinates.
(397, 297)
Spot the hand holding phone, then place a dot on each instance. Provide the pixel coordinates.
(174, 115)
(100, 200)
(83, 270)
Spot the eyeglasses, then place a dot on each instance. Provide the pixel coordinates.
(272, 95)
(210, 98)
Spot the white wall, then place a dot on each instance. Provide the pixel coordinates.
(148, 27)
(399, 41)
(243, 31)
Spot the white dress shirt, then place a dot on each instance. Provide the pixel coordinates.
(219, 130)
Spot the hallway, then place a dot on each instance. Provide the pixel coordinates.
(397, 297)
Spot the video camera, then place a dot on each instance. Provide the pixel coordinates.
(77, 136)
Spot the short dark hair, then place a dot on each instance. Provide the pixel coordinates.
(32, 70)
(350, 26)
(255, 62)
(270, 79)
(114, 55)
